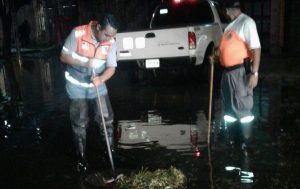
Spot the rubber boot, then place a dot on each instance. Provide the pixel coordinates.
(82, 164)
(79, 120)
(246, 130)
(110, 135)
(79, 133)
(232, 134)
(108, 118)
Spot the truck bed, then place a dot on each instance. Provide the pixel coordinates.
(151, 44)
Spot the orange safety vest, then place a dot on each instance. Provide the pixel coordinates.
(85, 45)
(233, 49)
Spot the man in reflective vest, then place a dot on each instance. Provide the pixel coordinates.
(87, 50)
(239, 53)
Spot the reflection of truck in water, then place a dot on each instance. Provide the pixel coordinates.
(181, 32)
(156, 131)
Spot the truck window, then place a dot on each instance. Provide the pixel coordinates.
(185, 13)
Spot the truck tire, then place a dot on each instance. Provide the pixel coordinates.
(135, 74)
(138, 74)
(205, 67)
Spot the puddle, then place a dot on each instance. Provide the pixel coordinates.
(157, 126)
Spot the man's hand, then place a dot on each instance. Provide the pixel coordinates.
(106, 75)
(252, 81)
(98, 80)
(214, 57)
(95, 63)
(211, 59)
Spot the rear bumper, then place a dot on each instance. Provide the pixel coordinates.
(165, 63)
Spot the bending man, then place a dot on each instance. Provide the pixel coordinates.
(89, 49)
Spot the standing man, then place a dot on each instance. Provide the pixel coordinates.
(239, 52)
(90, 54)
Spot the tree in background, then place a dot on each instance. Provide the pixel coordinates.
(6, 7)
(8, 10)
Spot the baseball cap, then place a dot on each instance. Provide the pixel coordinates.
(232, 4)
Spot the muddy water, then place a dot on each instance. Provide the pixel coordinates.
(156, 126)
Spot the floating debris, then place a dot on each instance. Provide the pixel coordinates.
(161, 178)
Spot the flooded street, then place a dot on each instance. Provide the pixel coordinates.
(156, 126)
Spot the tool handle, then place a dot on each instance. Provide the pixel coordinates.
(104, 127)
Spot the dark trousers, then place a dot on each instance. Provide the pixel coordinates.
(239, 133)
(79, 116)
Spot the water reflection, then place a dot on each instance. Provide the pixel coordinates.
(6, 127)
(153, 129)
(42, 94)
(2, 80)
(157, 126)
(44, 79)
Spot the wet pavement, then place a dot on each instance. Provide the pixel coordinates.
(157, 126)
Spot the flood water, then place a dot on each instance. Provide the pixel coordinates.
(156, 126)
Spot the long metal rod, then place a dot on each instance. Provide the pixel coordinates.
(104, 127)
(209, 122)
(210, 101)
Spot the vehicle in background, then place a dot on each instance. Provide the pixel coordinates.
(182, 34)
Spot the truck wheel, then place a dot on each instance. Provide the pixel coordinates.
(206, 68)
(139, 75)
(206, 71)
(206, 64)
(135, 75)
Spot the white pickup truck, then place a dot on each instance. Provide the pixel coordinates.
(182, 32)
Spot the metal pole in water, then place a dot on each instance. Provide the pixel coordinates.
(104, 127)
(209, 120)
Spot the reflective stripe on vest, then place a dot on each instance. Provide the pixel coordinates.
(233, 50)
(76, 82)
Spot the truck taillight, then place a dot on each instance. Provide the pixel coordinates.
(181, 1)
(192, 40)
